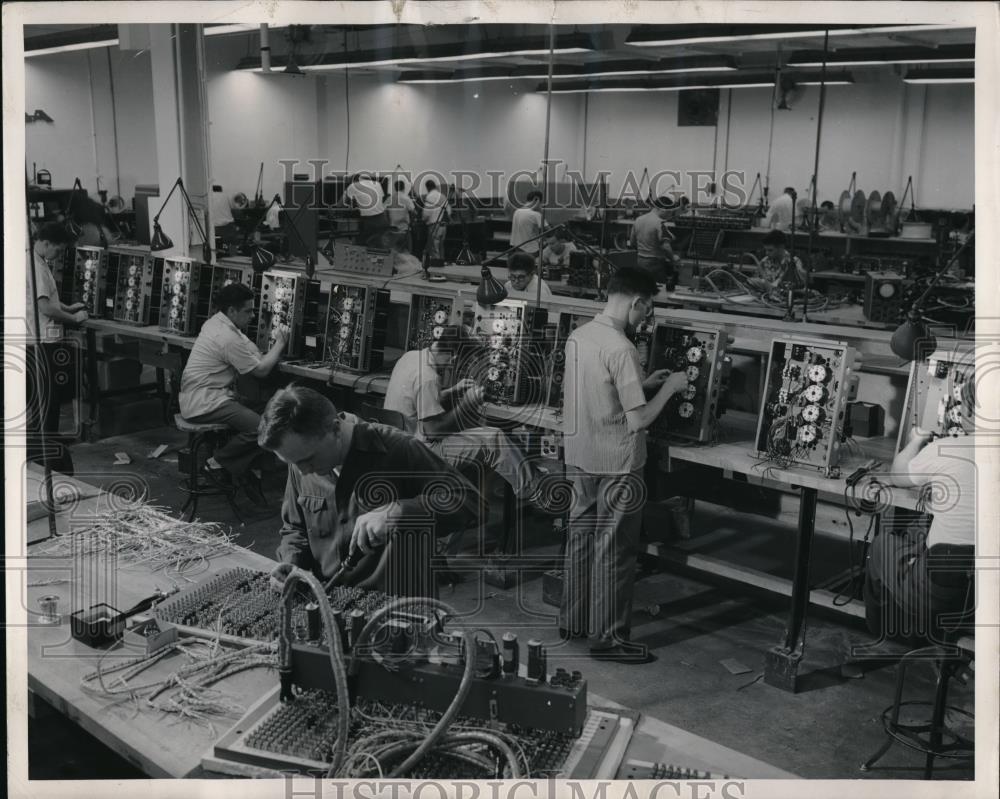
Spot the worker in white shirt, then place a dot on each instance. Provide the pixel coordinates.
(782, 211)
(526, 224)
(436, 214)
(523, 282)
(401, 209)
(556, 253)
(365, 195)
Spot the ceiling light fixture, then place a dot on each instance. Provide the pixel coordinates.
(736, 33)
(69, 48)
(565, 45)
(678, 85)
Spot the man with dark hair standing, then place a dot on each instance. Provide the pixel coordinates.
(782, 211)
(365, 195)
(652, 240)
(51, 360)
(356, 491)
(605, 416)
(221, 354)
(526, 224)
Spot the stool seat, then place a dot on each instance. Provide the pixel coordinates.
(185, 426)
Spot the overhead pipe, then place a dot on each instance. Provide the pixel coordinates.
(265, 49)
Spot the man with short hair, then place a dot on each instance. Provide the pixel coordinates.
(400, 210)
(522, 280)
(557, 252)
(51, 360)
(365, 195)
(526, 224)
(353, 487)
(917, 579)
(436, 213)
(605, 416)
(652, 240)
(782, 211)
(447, 419)
(775, 268)
(221, 353)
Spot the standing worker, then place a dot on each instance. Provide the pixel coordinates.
(605, 416)
(526, 224)
(365, 194)
(51, 361)
(652, 240)
(221, 353)
(401, 209)
(436, 213)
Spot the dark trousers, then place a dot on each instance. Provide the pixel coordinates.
(662, 270)
(371, 227)
(601, 551)
(52, 378)
(912, 592)
(239, 453)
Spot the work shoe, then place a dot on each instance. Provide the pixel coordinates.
(624, 652)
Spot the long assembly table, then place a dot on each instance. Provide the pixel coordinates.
(166, 747)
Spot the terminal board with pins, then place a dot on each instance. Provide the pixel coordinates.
(139, 290)
(808, 387)
(429, 315)
(179, 295)
(283, 298)
(356, 327)
(699, 352)
(90, 279)
(565, 324)
(511, 367)
(936, 397)
(363, 260)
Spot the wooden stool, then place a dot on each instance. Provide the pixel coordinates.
(933, 737)
(203, 437)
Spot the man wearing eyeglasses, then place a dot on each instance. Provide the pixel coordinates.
(605, 416)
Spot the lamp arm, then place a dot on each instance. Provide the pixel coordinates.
(505, 253)
(919, 302)
(170, 194)
(260, 219)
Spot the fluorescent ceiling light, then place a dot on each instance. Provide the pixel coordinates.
(939, 80)
(837, 82)
(68, 48)
(389, 62)
(782, 34)
(218, 30)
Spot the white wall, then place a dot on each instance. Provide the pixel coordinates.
(76, 91)
(881, 128)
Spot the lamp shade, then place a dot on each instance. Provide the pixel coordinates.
(910, 336)
(159, 239)
(491, 290)
(261, 259)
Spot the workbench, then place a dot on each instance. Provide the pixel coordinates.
(735, 456)
(168, 748)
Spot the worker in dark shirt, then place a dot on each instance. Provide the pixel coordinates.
(355, 490)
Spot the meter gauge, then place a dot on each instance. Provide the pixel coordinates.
(493, 374)
(685, 410)
(693, 373)
(695, 354)
(437, 331)
(814, 394)
(440, 317)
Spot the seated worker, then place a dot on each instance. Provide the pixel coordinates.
(526, 224)
(828, 217)
(605, 416)
(222, 353)
(522, 282)
(352, 487)
(775, 267)
(447, 419)
(652, 240)
(917, 578)
(556, 253)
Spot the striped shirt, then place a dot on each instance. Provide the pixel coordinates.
(603, 380)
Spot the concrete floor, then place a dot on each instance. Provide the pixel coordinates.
(825, 731)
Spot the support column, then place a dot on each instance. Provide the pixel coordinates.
(181, 118)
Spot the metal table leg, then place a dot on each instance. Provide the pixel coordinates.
(782, 663)
(90, 430)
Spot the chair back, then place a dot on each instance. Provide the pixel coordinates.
(371, 413)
